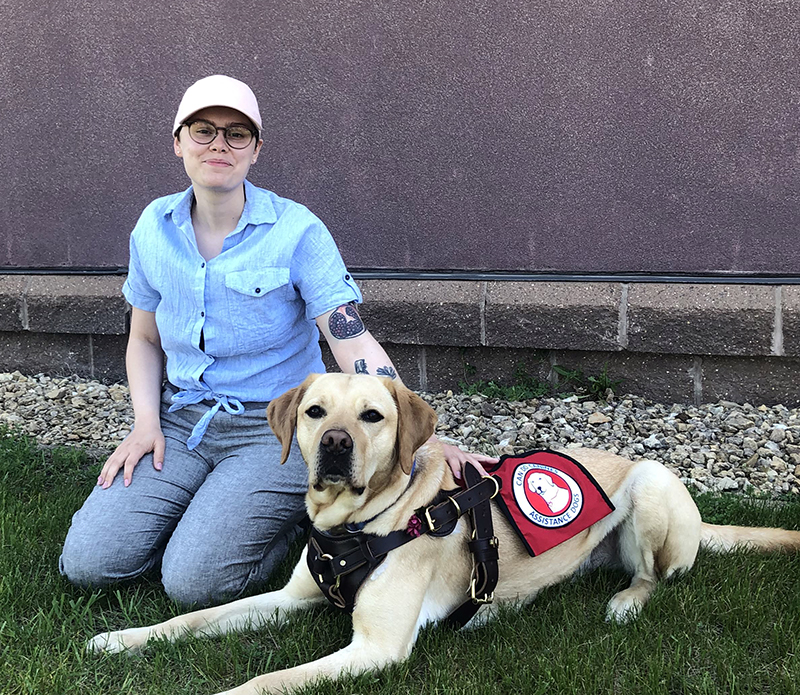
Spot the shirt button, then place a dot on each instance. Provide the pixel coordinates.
(258, 290)
(346, 277)
(202, 265)
(202, 313)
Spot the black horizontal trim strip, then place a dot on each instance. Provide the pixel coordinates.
(526, 276)
(485, 275)
(63, 270)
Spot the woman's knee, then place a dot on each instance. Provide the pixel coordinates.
(101, 562)
(192, 577)
(202, 577)
(97, 554)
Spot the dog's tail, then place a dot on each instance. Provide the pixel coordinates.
(724, 539)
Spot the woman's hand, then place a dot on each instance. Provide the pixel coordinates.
(456, 458)
(142, 440)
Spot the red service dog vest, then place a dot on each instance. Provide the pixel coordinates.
(548, 498)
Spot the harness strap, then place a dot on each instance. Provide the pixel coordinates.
(483, 547)
(448, 512)
(375, 548)
(341, 562)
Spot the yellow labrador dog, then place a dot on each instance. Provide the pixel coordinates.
(379, 429)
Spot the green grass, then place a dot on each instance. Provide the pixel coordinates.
(731, 626)
(524, 386)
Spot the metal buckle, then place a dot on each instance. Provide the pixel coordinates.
(475, 599)
(455, 504)
(496, 485)
(325, 556)
(429, 518)
(431, 525)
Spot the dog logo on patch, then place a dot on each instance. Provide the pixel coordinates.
(545, 495)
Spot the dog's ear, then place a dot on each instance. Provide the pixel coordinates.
(282, 414)
(416, 421)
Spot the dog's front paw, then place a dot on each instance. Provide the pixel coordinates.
(622, 609)
(116, 642)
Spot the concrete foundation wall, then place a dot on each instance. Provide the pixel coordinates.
(671, 342)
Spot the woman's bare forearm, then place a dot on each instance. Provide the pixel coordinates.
(353, 346)
(144, 363)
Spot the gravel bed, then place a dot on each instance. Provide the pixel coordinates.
(722, 446)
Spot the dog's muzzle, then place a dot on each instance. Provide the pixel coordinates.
(335, 460)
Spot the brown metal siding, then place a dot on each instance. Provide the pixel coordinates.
(570, 136)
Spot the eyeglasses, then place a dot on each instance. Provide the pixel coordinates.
(203, 133)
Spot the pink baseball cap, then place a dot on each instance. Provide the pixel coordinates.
(218, 90)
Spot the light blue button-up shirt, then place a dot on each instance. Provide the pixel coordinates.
(254, 304)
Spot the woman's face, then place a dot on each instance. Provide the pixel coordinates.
(216, 166)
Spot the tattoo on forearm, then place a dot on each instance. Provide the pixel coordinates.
(345, 323)
(361, 368)
(387, 371)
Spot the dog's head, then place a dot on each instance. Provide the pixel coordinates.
(357, 434)
(540, 483)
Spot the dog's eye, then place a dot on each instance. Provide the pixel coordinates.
(315, 412)
(371, 416)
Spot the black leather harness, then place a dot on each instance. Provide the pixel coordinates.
(341, 562)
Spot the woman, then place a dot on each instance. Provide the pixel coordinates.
(232, 283)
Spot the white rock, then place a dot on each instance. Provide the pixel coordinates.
(653, 442)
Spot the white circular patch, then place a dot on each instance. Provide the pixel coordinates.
(545, 495)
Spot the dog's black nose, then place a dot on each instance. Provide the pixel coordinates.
(336, 442)
(334, 463)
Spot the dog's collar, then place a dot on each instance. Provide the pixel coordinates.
(358, 526)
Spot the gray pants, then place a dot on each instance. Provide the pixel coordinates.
(218, 518)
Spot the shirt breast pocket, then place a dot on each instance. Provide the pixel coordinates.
(260, 307)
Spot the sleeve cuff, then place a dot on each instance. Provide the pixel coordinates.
(137, 299)
(345, 292)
